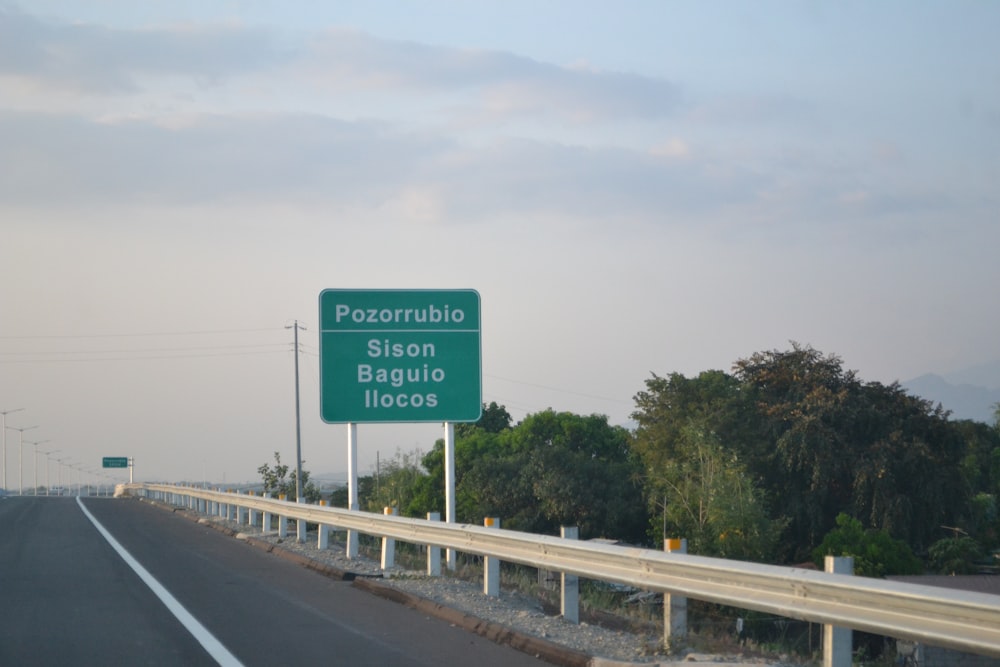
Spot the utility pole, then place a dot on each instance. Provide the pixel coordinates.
(298, 422)
(300, 526)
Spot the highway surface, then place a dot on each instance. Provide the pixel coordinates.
(102, 581)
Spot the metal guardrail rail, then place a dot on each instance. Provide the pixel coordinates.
(963, 620)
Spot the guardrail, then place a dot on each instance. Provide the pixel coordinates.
(962, 620)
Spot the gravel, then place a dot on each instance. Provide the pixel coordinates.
(513, 610)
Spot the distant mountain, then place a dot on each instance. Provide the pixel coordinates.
(971, 393)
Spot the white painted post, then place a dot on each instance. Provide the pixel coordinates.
(241, 512)
(433, 551)
(570, 583)
(491, 565)
(388, 544)
(282, 520)
(674, 606)
(229, 508)
(837, 642)
(252, 520)
(449, 485)
(352, 486)
(300, 525)
(323, 540)
(266, 519)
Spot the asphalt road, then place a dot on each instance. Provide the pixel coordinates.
(68, 597)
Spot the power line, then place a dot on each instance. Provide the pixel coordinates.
(145, 358)
(138, 335)
(152, 349)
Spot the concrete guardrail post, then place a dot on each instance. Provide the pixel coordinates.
(252, 520)
(674, 606)
(241, 512)
(570, 583)
(388, 544)
(266, 519)
(282, 520)
(300, 525)
(837, 642)
(491, 565)
(433, 551)
(323, 539)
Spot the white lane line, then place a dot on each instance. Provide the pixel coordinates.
(208, 641)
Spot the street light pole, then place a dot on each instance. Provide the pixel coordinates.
(3, 422)
(48, 477)
(20, 456)
(59, 473)
(36, 461)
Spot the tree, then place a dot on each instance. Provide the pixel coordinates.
(552, 469)
(277, 481)
(955, 555)
(696, 483)
(800, 454)
(875, 553)
(830, 443)
(397, 483)
(494, 419)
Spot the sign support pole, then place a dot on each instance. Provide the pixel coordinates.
(449, 483)
(352, 485)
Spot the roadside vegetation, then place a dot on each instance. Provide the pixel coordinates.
(784, 459)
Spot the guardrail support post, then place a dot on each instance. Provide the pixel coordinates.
(570, 583)
(282, 521)
(433, 551)
(491, 565)
(388, 544)
(323, 539)
(837, 642)
(300, 526)
(674, 606)
(241, 512)
(252, 520)
(266, 520)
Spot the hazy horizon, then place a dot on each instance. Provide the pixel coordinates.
(646, 188)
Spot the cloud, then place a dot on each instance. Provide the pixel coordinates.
(506, 84)
(66, 161)
(94, 59)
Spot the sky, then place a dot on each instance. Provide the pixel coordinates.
(633, 188)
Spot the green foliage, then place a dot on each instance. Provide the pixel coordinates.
(755, 464)
(277, 481)
(552, 469)
(698, 487)
(494, 419)
(875, 553)
(396, 484)
(955, 555)
(830, 443)
(795, 429)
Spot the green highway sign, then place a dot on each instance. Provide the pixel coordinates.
(114, 462)
(399, 356)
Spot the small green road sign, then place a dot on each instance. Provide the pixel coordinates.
(115, 462)
(400, 356)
